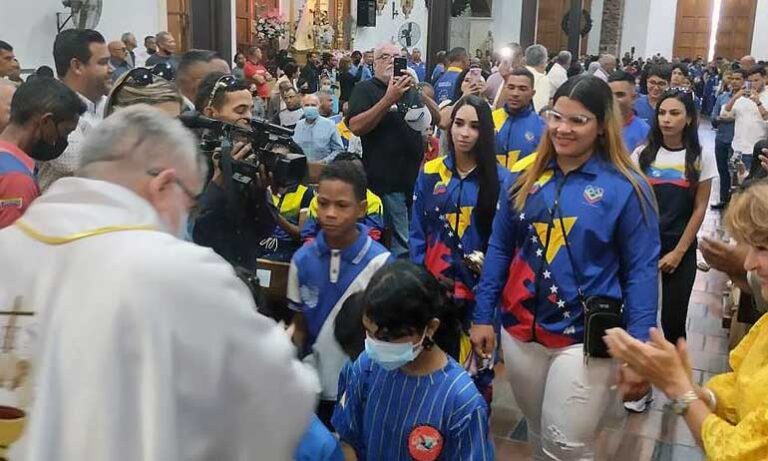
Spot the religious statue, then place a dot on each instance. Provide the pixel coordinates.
(305, 31)
(407, 7)
(487, 46)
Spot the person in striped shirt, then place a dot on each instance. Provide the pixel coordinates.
(406, 399)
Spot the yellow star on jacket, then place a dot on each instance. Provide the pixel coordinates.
(465, 219)
(556, 238)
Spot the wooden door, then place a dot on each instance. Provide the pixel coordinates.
(178, 23)
(243, 24)
(692, 28)
(549, 31)
(734, 32)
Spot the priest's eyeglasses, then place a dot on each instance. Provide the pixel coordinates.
(155, 172)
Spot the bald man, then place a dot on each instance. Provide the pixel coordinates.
(7, 89)
(118, 59)
(747, 62)
(317, 135)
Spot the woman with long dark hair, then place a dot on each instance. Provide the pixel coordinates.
(577, 227)
(454, 205)
(681, 175)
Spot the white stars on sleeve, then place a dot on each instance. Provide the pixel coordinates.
(553, 289)
(547, 275)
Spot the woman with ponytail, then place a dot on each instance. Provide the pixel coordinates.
(454, 205)
(576, 224)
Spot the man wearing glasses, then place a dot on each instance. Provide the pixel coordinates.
(393, 150)
(118, 61)
(658, 82)
(135, 328)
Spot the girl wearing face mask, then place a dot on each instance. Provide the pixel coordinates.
(455, 201)
(681, 175)
(406, 398)
(578, 223)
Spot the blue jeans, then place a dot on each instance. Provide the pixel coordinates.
(396, 212)
(723, 155)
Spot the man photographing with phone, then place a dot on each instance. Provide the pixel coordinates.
(748, 108)
(389, 116)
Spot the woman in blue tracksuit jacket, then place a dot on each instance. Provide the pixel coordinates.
(602, 204)
(453, 208)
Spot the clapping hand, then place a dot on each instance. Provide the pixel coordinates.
(662, 363)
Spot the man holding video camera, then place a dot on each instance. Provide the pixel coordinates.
(229, 222)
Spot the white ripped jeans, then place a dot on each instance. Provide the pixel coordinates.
(565, 401)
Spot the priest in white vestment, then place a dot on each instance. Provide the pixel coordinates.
(121, 341)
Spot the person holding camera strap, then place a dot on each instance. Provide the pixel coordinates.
(574, 251)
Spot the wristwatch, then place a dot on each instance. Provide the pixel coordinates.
(680, 405)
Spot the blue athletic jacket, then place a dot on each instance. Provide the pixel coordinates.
(443, 228)
(614, 239)
(517, 135)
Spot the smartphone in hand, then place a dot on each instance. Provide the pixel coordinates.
(401, 64)
(748, 89)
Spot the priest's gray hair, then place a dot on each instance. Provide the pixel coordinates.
(536, 55)
(138, 138)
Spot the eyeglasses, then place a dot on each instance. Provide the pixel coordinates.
(658, 83)
(226, 81)
(385, 57)
(142, 76)
(556, 119)
(195, 198)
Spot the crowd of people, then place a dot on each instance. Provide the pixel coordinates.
(524, 207)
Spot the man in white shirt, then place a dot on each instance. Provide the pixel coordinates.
(82, 63)
(558, 74)
(748, 109)
(129, 343)
(536, 58)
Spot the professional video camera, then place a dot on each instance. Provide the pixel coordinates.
(274, 153)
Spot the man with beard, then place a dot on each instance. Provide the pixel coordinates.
(82, 63)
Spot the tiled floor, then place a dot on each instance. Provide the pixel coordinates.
(653, 435)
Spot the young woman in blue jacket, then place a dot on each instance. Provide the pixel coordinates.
(453, 209)
(584, 197)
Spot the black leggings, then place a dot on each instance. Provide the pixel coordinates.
(676, 291)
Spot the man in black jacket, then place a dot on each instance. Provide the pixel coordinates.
(309, 79)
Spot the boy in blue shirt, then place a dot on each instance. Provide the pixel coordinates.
(324, 273)
(635, 131)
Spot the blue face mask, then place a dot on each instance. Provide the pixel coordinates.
(311, 113)
(392, 356)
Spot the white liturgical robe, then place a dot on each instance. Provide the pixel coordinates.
(138, 346)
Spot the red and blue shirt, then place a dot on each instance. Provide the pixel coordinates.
(18, 187)
(613, 236)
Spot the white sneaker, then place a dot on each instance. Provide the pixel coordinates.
(640, 405)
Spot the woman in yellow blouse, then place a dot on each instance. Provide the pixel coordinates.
(729, 415)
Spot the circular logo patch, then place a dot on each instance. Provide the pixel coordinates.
(425, 443)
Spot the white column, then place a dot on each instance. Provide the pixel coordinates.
(507, 16)
(634, 28)
(593, 40)
(661, 27)
(760, 34)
